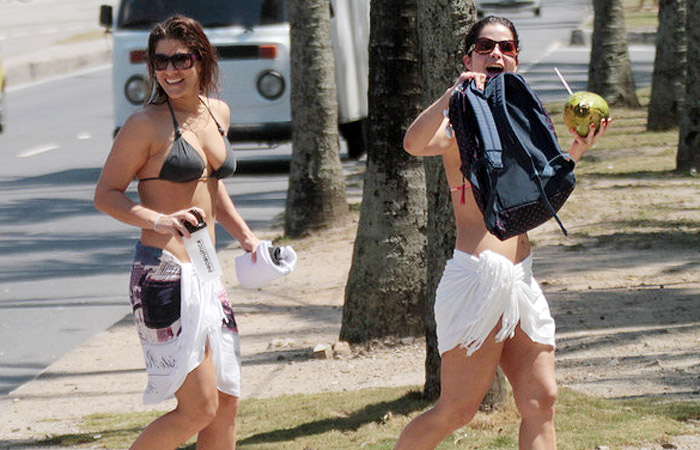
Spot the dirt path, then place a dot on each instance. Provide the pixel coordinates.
(628, 326)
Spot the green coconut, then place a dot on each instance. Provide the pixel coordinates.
(584, 108)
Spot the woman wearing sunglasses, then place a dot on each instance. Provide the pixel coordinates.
(176, 147)
(485, 279)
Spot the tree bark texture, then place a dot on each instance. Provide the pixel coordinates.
(610, 70)
(442, 27)
(668, 78)
(316, 196)
(385, 292)
(688, 157)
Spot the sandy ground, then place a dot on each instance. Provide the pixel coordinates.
(628, 321)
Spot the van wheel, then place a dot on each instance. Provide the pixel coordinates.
(355, 134)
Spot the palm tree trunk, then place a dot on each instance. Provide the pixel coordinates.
(668, 79)
(610, 70)
(688, 157)
(316, 196)
(385, 292)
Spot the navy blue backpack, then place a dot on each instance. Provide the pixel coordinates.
(510, 154)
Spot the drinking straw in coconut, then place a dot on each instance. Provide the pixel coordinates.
(563, 81)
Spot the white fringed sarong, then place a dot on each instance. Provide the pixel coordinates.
(177, 315)
(475, 292)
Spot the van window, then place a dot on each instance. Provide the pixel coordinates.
(142, 14)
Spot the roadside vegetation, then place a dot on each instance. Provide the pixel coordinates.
(629, 180)
(373, 419)
(646, 18)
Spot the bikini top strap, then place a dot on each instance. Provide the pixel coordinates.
(221, 130)
(172, 114)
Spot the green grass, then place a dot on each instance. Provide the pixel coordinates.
(646, 19)
(627, 148)
(373, 419)
(633, 170)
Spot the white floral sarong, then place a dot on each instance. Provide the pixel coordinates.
(177, 315)
(475, 292)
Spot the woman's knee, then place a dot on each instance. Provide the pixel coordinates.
(200, 411)
(456, 413)
(538, 403)
(228, 405)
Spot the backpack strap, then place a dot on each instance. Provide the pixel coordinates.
(498, 90)
(488, 130)
(490, 142)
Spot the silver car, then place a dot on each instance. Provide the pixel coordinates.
(483, 6)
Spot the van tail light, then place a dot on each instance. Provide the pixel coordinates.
(267, 51)
(137, 56)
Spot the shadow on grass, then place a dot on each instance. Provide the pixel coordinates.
(673, 236)
(639, 174)
(412, 401)
(76, 439)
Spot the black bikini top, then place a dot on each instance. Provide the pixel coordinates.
(184, 163)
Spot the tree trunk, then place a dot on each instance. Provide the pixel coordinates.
(442, 27)
(316, 196)
(668, 79)
(688, 158)
(610, 70)
(385, 292)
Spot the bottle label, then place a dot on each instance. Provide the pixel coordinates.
(202, 249)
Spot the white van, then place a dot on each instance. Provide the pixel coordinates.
(252, 40)
(2, 99)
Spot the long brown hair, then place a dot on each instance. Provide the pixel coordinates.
(189, 32)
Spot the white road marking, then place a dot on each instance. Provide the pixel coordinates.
(552, 48)
(38, 150)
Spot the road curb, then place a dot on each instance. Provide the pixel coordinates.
(582, 36)
(57, 60)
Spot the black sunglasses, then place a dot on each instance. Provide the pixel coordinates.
(179, 60)
(484, 46)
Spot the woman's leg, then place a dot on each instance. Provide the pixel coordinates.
(529, 367)
(220, 434)
(197, 405)
(464, 382)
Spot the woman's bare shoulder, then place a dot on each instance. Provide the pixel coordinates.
(147, 121)
(220, 109)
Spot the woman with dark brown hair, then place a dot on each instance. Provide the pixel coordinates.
(176, 147)
(489, 309)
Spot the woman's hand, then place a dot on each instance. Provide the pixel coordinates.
(250, 244)
(582, 144)
(174, 223)
(479, 80)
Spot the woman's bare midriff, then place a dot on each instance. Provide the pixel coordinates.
(472, 235)
(474, 238)
(168, 197)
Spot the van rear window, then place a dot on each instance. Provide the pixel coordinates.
(143, 14)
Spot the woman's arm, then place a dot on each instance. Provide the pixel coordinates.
(426, 136)
(229, 217)
(226, 213)
(582, 144)
(129, 153)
